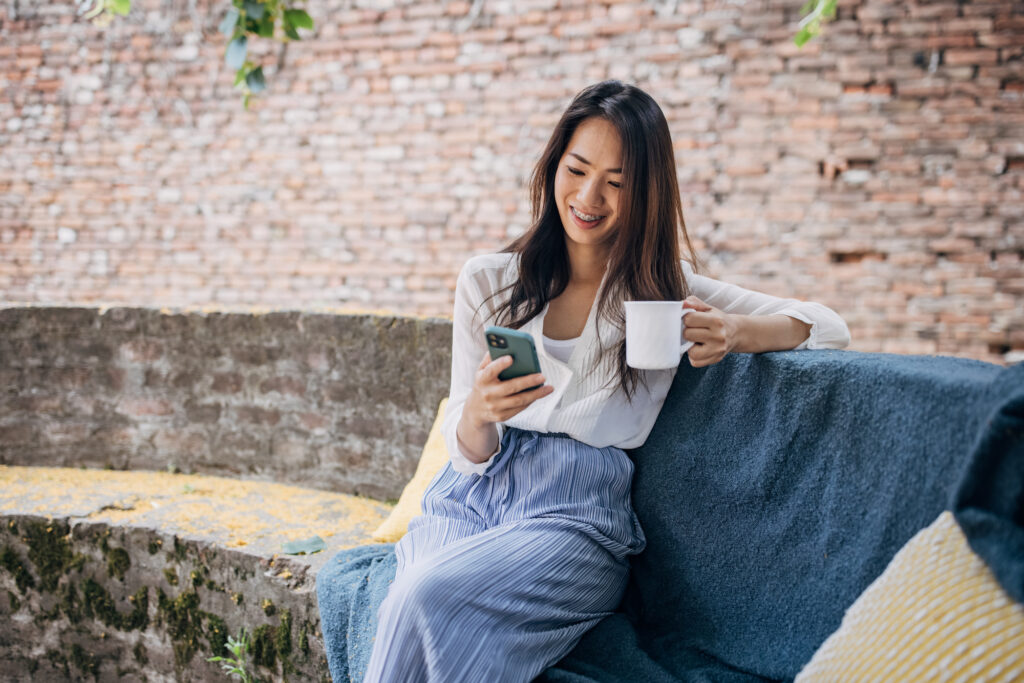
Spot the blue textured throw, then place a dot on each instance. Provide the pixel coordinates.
(773, 490)
(349, 589)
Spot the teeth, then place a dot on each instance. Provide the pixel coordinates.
(584, 216)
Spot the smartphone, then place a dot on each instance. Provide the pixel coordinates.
(502, 341)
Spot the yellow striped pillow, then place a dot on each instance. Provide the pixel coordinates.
(935, 614)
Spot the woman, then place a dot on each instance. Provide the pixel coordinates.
(524, 539)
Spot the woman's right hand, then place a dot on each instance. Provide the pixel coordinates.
(492, 399)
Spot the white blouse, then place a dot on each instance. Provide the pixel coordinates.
(587, 402)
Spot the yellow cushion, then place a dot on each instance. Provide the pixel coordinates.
(937, 613)
(433, 458)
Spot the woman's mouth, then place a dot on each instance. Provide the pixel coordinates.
(585, 221)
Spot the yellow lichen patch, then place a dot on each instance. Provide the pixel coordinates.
(233, 512)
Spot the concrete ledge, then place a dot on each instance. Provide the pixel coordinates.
(329, 400)
(139, 576)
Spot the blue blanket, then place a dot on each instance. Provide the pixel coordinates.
(773, 489)
(349, 589)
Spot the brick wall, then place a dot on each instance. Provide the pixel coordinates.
(878, 170)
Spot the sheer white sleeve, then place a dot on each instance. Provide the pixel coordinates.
(828, 329)
(468, 350)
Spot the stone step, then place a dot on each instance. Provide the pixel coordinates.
(118, 575)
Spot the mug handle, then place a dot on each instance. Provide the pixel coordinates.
(685, 345)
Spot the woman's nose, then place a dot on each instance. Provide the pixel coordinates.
(590, 194)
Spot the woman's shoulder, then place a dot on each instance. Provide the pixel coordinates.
(494, 267)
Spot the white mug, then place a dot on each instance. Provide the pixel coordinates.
(654, 334)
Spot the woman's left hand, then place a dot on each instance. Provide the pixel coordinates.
(713, 332)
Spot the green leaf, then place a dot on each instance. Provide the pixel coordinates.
(298, 18)
(255, 80)
(254, 9)
(267, 27)
(235, 55)
(290, 31)
(227, 27)
(240, 76)
(121, 7)
(311, 545)
(816, 13)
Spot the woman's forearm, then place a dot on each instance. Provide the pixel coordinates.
(758, 333)
(477, 442)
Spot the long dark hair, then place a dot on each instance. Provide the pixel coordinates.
(643, 263)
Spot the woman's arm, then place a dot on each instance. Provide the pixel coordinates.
(729, 318)
(468, 448)
(479, 402)
(757, 333)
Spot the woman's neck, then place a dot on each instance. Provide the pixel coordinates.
(586, 266)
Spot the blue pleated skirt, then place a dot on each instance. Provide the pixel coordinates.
(504, 572)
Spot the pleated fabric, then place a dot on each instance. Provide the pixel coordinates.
(504, 572)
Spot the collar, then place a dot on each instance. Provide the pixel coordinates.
(559, 374)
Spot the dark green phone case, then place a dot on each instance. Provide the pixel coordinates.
(502, 341)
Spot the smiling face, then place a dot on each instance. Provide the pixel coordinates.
(587, 185)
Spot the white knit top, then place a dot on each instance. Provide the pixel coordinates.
(586, 404)
(560, 349)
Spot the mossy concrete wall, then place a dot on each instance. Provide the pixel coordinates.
(129, 604)
(331, 400)
(123, 576)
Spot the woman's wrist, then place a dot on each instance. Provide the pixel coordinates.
(477, 441)
(740, 340)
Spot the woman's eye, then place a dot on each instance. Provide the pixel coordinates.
(576, 172)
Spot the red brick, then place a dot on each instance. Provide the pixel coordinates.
(815, 122)
(952, 244)
(140, 407)
(968, 25)
(957, 40)
(312, 420)
(980, 56)
(1008, 39)
(259, 415)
